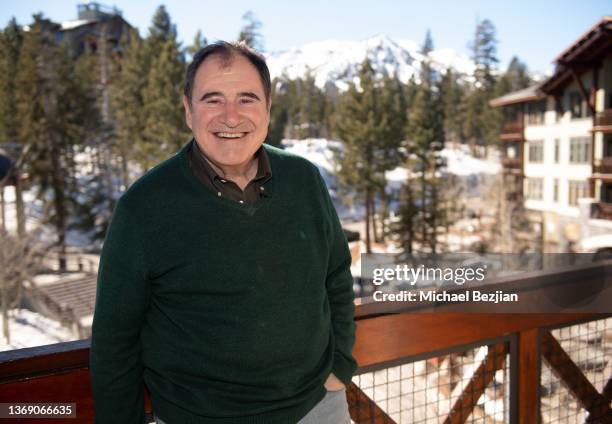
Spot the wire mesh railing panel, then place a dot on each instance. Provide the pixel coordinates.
(576, 367)
(474, 383)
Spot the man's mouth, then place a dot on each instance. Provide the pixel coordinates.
(230, 135)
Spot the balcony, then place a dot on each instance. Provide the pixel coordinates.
(602, 210)
(603, 166)
(418, 366)
(512, 131)
(513, 165)
(603, 121)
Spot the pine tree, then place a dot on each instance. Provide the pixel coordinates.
(359, 126)
(53, 111)
(278, 113)
(420, 145)
(451, 95)
(161, 31)
(481, 127)
(127, 101)
(165, 130)
(392, 135)
(199, 42)
(484, 54)
(250, 32)
(97, 184)
(11, 39)
(427, 72)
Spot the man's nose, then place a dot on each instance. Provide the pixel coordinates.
(231, 114)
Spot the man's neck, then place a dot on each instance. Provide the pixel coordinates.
(240, 174)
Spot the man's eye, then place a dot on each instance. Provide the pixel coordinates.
(246, 100)
(213, 101)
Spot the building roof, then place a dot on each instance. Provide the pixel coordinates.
(598, 32)
(584, 53)
(520, 96)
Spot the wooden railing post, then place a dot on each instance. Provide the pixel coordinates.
(528, 384)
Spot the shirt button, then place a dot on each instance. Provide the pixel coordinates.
(219, 193)
(241, 201)
(223, 181)
(261, 188)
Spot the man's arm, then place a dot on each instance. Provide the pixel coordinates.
(122, 299)
(341, 296)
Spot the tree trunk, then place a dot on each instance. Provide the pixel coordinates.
(2, 211)
(59, 203)
(373, 217)
(19, 207)
(423, 208)
(384, 213)
(5, 317)
(368, 205)
(124, 170)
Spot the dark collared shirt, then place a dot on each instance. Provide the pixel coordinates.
(226, 188)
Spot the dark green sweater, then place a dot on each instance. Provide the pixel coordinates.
(229, 313)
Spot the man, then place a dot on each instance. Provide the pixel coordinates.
(224, 281)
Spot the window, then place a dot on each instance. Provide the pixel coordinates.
(535, 112)
(557, 149)
(536, 151)
(556, 190)
(580, 150)
(577, 105)
(559, 109)
(534, 188)
(577, 190)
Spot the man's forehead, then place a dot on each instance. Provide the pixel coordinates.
(221, 66)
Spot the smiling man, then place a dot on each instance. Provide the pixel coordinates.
(224, 281)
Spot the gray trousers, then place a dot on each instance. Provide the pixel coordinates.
(332, 409)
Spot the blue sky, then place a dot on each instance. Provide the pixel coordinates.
(536, 31)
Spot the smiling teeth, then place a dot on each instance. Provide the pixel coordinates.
(230, 135)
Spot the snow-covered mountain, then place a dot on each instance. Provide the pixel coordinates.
(338, 62)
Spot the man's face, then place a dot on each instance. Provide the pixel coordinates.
(228, 114)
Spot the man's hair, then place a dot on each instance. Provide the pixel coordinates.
(227, 52)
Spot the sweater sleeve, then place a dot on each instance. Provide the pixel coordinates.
(339, 283)
(122, 299)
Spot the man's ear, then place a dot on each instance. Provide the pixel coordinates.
(188, 114)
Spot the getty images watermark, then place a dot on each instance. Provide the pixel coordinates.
(488, 283)
(429, 276)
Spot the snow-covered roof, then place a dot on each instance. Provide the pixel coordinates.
(68, 25)
(520, 96)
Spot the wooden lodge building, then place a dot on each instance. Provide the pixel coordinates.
(557, 146)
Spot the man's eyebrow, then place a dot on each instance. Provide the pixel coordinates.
(249, 94)
(210, 94)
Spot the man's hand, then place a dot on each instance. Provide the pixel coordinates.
(332, 383)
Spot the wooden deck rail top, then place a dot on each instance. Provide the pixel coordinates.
(387, 334)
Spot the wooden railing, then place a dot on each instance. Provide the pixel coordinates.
(391, 334)
(602, 210)
(512, 163)
(512, 131)
(603, 165)
(603, 121)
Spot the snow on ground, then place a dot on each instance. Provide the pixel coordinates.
(29, 329)
(321, 152)
(460, 162)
